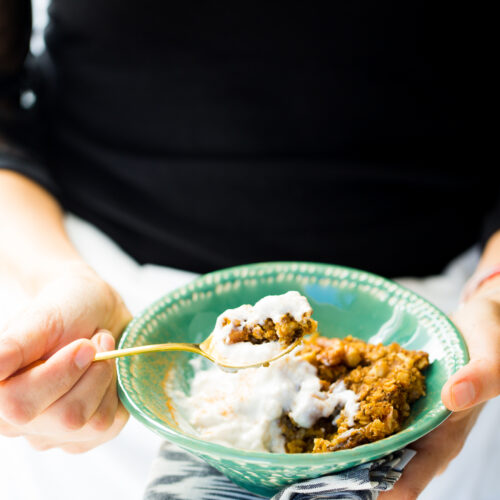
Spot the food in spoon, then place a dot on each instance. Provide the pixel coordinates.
(328, 394)
(253, 334)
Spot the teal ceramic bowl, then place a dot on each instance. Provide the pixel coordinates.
(345, 301)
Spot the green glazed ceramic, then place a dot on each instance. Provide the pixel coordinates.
(345, 301)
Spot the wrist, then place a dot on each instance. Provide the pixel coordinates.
(490, 288)
(483, 283)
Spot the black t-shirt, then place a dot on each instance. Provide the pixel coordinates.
(206, 134)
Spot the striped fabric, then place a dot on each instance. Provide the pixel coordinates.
(177, 475)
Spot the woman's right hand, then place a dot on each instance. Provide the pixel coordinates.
(67, 401)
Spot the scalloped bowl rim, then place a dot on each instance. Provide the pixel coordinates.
(375, 450)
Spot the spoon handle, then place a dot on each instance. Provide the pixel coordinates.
(144, 349)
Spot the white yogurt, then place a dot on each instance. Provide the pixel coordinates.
(242, 409)
(272, 306)
(246, 353)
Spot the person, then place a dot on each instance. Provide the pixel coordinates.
(200, 136)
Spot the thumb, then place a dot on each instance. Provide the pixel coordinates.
(479, 380)
(475, 383)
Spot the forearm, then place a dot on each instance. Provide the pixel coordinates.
(33, 241)
(67, 401)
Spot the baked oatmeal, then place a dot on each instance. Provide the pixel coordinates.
(386, 380)
(262, 331)
(284, 317)
(328, 394)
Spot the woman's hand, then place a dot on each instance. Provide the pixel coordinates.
(68, 401)
(463, 393)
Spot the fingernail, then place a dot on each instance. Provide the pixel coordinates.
(84, 356)
(463, 394)
(106, 342)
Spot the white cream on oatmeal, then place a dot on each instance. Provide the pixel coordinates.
(273, 307)
(243, 409)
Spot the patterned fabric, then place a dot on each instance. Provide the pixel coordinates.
(177, 475)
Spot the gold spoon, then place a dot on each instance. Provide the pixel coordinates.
(205, 348)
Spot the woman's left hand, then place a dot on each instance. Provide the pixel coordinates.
(464, 393)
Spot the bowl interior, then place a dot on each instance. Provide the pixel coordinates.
(345, 301)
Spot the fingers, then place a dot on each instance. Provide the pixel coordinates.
(434, 452)
(84, 439)
(28, 336)
(104, 417)
(41, 443)
(75, 408)
(8, 430)
(479, 380)
(98, 438)
(65, 402)
(25, 396)
(415, 478)
(71, 307)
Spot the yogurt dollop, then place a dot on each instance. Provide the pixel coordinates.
(243, 409)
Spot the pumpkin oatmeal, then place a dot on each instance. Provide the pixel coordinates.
(328, 394)
(262, 331)
(287, 330)
(386, 380)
